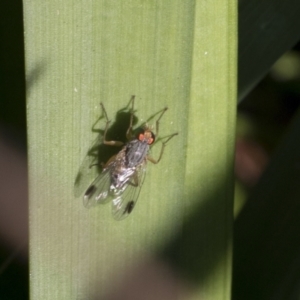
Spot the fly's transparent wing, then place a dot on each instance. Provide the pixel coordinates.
(98, 191)
(123, 204)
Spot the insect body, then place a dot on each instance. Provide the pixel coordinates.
(123, 175)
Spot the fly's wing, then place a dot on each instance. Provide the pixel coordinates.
(123, 204)
(98, 191)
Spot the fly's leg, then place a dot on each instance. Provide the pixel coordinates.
(157, 122)
(156, 161)
(105, 142)
(129, 130)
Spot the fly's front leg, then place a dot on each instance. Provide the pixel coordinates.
(157, 121)
(129, 130)
(105, 142)
(154, 161)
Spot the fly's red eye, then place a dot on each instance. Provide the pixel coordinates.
(139, 134)
(150, 141)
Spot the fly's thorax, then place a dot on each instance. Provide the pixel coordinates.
(136, 152)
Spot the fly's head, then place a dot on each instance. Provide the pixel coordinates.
(146, 135)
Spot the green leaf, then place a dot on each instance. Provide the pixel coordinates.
(176, 53)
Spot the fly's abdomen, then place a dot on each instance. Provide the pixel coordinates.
(119, 178)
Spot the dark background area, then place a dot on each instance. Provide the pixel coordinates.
(264, 117)
(14, 272)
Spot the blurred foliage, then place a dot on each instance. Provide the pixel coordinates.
(12, 74)
(13, 266)
(266, 243)
(265, 114)
(13, 274)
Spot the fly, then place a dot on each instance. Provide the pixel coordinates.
(123, 175)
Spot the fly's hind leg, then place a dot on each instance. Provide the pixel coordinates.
(105, 142)
(156, 161)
